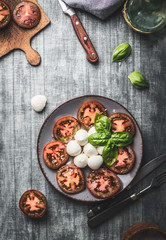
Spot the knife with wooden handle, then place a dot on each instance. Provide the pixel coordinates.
(81, 33)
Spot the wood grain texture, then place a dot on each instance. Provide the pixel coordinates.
(13, 37)
(65, 73)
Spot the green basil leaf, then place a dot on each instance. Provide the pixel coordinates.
(121, 52)
(110, 154)
(138, 80)
(102, 123)
(121, 139)
(99, 139)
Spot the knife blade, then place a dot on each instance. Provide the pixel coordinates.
(143, 172)
(83, 37)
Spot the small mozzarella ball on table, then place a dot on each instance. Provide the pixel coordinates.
(73, 148)
(89, 150)
(81, 161)
(38, 102)
(95, 162)
(100, 149)
(91, 131)
(81, 137)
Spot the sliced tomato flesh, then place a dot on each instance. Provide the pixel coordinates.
(70, 179)
(89, 113)
(66, 128)
(122, 158)
(120, 125)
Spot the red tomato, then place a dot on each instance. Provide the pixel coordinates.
(124, 162)
(55, 154)
(5, 14)
(33, 203)
(87, 111)
(65, 129)
(70, 179)
(103, 183)
(121, 122)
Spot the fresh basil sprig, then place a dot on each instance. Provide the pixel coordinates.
(102, 123)
(121, 139)
(103, 137)
(110, 153)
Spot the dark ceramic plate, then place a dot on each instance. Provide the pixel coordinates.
(70, 108)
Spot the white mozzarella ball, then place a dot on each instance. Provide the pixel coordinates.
(90, 150)
(38, 102)
(81, 160)
(73, 148)
(100, 149)
(81, 137)
(95, 162)
(91, 131)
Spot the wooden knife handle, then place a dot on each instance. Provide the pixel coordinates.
(84, 39)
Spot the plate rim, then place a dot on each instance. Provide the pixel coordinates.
(79, 97)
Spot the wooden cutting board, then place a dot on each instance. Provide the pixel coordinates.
(13, 37)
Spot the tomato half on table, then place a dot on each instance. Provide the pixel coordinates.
(87, 111)
(124, 162)
(70, 179)
(103, 183)
(33, 203)
(55, 154)
(65, 129)
(121, 122)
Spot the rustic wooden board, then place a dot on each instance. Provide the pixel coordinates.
(13, 37)
(63, 74)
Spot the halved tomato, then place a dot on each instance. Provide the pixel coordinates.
(33, 203)
(121, 122)
(103, 183)
(87, 111)
(70, 179)
(55, 154)
(65, 129)
(124, 162)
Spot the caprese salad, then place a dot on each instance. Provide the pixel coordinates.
(96, 141)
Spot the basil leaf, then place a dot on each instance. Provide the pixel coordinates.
(138, 80)
(99, 139)
(110, 154)
(102, 123)
(121, 52)
(121, 139)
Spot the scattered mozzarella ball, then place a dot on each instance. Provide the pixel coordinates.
(38, 102)
(95, 162)
(73, 148)
(81, 160)
(81, 137)
(89, 150)
(100, 149)
(91, 131)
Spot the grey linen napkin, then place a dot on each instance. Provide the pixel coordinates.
(100, 8)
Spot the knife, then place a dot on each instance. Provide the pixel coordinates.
(143, 172)
(81, 33)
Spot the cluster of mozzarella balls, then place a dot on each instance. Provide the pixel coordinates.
(83, 152)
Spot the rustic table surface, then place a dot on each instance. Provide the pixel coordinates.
(65, 73)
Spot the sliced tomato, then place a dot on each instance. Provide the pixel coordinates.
(5, 14)
(70, 179)
(121, 122)
(33, 203)
(65, 129)
(103, 183)
(55, 154)
(124, 162)
(87, 111)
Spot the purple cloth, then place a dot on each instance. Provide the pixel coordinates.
(99, 8)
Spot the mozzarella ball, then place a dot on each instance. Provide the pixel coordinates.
(73, 148)
(81, 161)
(100, 149)
(38, 102)
(89, 150)
(95, 162)
(91, 131)
(81, 137)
